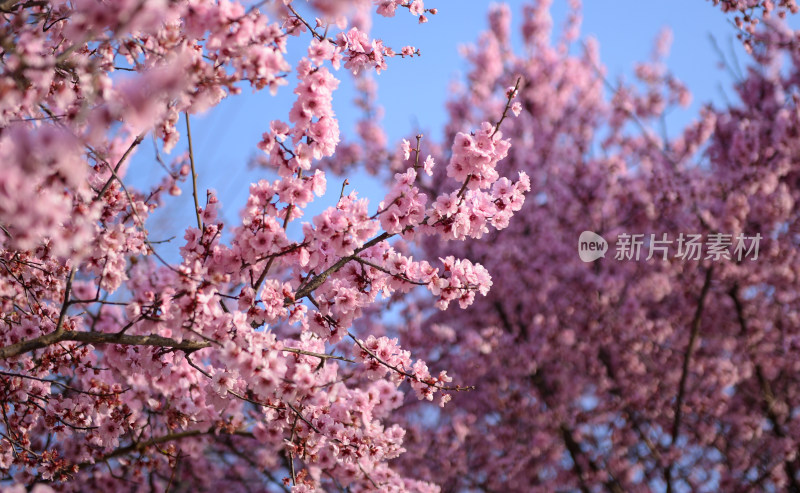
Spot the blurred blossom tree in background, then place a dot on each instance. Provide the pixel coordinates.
(446, 338)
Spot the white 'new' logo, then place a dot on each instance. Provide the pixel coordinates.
(591, 246)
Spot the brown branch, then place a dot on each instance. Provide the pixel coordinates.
(144, 230)
(416, 151)
(511, 95)
(194, 173)
(243, 456)
(687, 356)
(573, 447)
(321, 356)
(135, 143)
(47, 339)
(508, 106)
(605, 358)
(300, 18)
(143, 445)
(99, 338)
(766, 394)
(404, 373)
(65, 304)
(63, 385)
(289, 454)
(317, 281)
(286, 220)
(574, 452)
(387, 271)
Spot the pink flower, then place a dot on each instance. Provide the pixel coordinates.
(319, 51)
(405, 147)
(387, 8)
(427, 165)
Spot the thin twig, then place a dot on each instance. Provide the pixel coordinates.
(136, 142)
(300, 18)
(387, 271)
(321, 356)
(194, 172)
(508, 105)
(286, 220)
(406, 374)
(511, 95)
(65, 304)
(63, 385)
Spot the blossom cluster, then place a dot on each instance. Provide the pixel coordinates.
(226, 368)
(619, 376)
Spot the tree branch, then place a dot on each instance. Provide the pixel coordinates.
(136, 142)
(317, 281)
(457, 388)
(511, 96)
(194, 173)
(767, 395)
(65, 305)
(574, 452)
(687, 356)
(99, 338)
(573, 446)
(141, 446)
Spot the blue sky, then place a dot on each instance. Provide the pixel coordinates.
(413, 91)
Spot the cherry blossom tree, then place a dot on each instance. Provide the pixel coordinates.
(265, 361)
(668, 373)
(236, 367)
